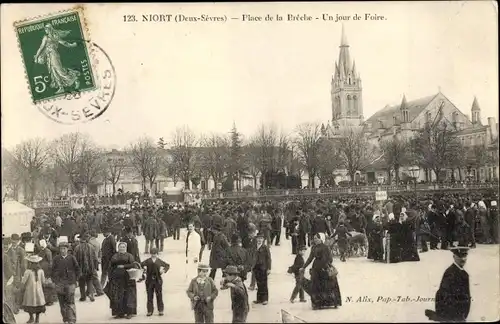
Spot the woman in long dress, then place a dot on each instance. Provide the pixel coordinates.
(120, 289)
(325, 291)
(48, 54)
(33, 299)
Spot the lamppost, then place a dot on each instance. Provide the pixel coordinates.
(415, 173)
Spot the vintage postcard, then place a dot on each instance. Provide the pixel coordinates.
(250, 162)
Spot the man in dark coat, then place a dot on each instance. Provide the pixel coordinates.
(276, 228)
(494, 221)
(132, 245)
(238, 257)
(453, 298)
(220, 249)
(176, 223)
(319, 225)
(435, 224)
(150, 230)
(65, 272)
(87, 260)
(262, 268)
(108, 249)
(229, 226)
(470, 218)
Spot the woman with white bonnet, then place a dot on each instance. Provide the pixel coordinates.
(46, 265)
(325, 291)
(121, 289)
(485, 223)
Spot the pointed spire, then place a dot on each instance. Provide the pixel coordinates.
(336, 70)
(343, 39)
(475, 105)
(354, 74)
(404, 104)
(342, 70)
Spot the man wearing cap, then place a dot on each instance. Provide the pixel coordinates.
(154, 267)
(65, 273)
(453, 298)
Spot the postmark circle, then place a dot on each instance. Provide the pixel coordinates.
(74, 106)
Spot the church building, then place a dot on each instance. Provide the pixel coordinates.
(404, 120)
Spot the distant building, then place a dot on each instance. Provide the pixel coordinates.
(404, 120)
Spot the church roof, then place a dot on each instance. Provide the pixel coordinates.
(415, 107)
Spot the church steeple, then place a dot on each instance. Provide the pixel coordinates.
(405, 116)
(476, 112)
(344, 55)
(347, 105)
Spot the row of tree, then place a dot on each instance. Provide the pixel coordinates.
(275, 158)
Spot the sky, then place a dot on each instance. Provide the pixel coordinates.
(209, 75)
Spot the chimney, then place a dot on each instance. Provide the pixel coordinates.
(493, 128)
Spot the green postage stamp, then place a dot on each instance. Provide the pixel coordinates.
(56, 55)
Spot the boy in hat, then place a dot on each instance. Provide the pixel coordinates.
(295, 270)
(262, 268)
(239, 294)
(202, 293)
(154, 268)
(453, 298)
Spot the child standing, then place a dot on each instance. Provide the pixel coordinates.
(295, 270)
(202, 292)
(33, 299)
(154, 268)
(239, 294)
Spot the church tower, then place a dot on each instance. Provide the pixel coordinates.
(347, 100)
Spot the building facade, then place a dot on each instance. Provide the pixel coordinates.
(405, 120)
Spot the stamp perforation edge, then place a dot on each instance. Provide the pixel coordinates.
(80, 9)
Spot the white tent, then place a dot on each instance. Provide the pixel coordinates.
(16, 217)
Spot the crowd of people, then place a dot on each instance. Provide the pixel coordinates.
(239, 236)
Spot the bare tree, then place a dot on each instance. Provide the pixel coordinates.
(308, 147)
(283, 158)
(114, 166)
(215, 155)
(90, 167)
(183, 144)
(396, 154)
(354, 150)
(68, 150)
(12, 174)
(434, 146)
(31, 156)
(328, 162)
(146, 159)
(266, 140)
(252, 161)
